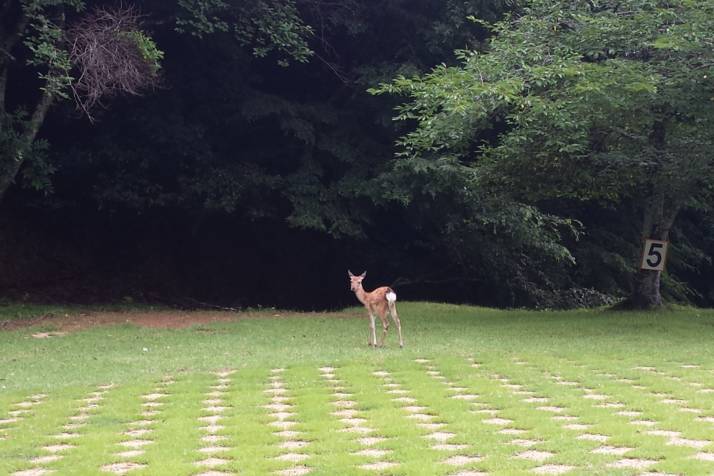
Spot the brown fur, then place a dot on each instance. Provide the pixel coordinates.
(377, 304)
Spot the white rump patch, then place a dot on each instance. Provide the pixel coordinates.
(391, 296)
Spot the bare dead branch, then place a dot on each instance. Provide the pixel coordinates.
(107, 59)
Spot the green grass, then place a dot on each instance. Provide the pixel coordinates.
(20, 311)
(599, 355)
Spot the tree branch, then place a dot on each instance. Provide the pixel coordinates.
(107, 59)
(12, 37)
(333, 68)
(3, 88)
(38, 117)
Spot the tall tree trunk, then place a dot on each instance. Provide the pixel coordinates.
(658, 220)
(11, 160)
(645, 293)
(18, 142)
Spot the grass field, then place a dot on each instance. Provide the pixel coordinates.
(475, 391)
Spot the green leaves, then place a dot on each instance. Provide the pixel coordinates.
(148, 49)
(201, 17)
(561, 75)
(45, 40)
(574, 101)
(265, 26)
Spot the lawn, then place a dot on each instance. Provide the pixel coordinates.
(475, 391)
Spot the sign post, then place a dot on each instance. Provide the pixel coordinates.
(654, 255)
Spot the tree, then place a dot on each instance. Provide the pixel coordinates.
(307, 142)
(92, 55)
(305, 150)
(586, 100)
(265, 26)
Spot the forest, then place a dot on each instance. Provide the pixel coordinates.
(248, 153)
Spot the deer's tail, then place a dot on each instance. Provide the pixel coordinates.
(391, 296)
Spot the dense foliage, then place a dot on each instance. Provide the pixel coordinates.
(523, 163)
(607, 101)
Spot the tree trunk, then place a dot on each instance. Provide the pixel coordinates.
(9, 167)
(11, 160)
(658, 219)
(16, 148)
(645, 292)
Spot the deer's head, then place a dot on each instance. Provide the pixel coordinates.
(356, 281)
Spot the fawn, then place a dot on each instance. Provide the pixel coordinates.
(377, 302)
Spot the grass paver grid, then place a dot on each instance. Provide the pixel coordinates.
(597, 401)
(132, 428)
(213, 446)
(530, 453)
(354, 423)
(664, 423)
(494, 417)
(446, 401)
(514, 407)
(526, 430)
(18, 411)
(60, 441)
(434, 430)
(475, 434)
(286, 419)
(673, 392)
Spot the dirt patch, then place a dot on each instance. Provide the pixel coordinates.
(47, 335)
(592, 437)
(293, 457)
(362, 430)
(552, 469)
(57, 448)
(440, 436)
(168, 319)
(460, 460)
(576, 426)
(523, 443)
(449, 447)
(372, 453)
(633, 463)
(121, 468)
(612, 450)
(535, 455)
(698, 444)
(512, 431)
(213, 449)
(45, 459)
(293, 444)
(370, 440)
(295, 471)
(211, 462)
(33, 472)
(497, 421)
(379, 466)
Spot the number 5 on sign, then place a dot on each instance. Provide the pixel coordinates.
(654, 255)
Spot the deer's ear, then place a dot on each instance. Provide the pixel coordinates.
(363, 274)
(349, 273)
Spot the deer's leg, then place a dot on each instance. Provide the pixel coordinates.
(382, 312)
(372, 331)
(395, 318)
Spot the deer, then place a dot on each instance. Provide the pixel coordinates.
(377, 302)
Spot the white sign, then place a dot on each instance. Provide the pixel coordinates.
(654, 255)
